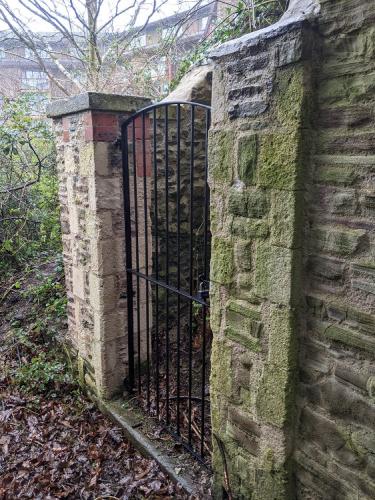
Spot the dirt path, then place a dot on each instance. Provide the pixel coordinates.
(53, 441)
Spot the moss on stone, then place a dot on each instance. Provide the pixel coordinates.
(291, 106)
(257, 203)
(279, 160)
(282, 336)
(244, 308)
(247, 229)
(340, 175)
(243, 255)
(286, 218)
(222, 260)
(275, 273)
(350, 337)
(237, 202)
(275, 400)
(272, 485)
(274, 395)
(243, 338)
(220, 380)
(337, 240)
(247, 159)
(221, 154)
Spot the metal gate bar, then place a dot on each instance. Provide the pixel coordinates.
(161, 370)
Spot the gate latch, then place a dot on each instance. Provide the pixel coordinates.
(204, 289)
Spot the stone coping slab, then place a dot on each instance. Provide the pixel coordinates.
(96, 101)
(297, 13)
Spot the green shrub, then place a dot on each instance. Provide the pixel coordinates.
(43, 374)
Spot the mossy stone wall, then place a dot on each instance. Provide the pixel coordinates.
(257, 164)
(292, 161)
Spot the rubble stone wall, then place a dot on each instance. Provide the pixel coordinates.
(292, 181)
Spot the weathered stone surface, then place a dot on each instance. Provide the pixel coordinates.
(221, 155)
(337, 240)
(222, 261)
(91, 198)
(278, 160)
(247, 158)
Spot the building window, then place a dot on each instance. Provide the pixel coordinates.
(203, 23)
(142, 40)
(35, 80)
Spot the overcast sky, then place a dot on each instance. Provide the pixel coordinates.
(170, 7)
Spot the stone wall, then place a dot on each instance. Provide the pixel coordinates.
(87, 129)
(291, 174)
(335, 444)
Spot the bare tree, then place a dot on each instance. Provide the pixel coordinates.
(86, 41)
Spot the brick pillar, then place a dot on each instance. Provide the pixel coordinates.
(257, 171)
(87, 130)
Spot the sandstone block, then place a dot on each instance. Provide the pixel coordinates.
(337, 240)
(279, 161)
(247, 159)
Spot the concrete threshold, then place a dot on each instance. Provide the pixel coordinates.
(129, 423)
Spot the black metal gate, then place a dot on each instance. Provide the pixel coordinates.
(167, 240)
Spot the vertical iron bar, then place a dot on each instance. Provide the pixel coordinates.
(191, 272)
(205, 277)
(136, 251)
(146, 257)
(178, 139)
(157, 388)
(128, 256)
(167, 258)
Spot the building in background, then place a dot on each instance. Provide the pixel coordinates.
(156, 51)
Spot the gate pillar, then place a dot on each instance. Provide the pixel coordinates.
(258, 169)
(88, 128)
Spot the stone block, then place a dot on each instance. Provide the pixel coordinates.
(74, 217)
(286, 219)
(243, 255)
(350, 338)
(109, 326)
(221, 379)
(291, 88)
(221, 156)
(280, 324)
(99, 225)
(279, 160)
(325, 267)
(257, 203)
(243, 336)
(87, 159)
(106, 257)
(105, 194)
(363, 321)
(275, 395)
(343, 202)
(102, 164)
(248, 229)
(277, 273)
(79, 281)
(104, 293)
(70, 164)
(237, 200)
(222, 260)
(242, 429)
(340, 175)
(337, 240)
(247, 159)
